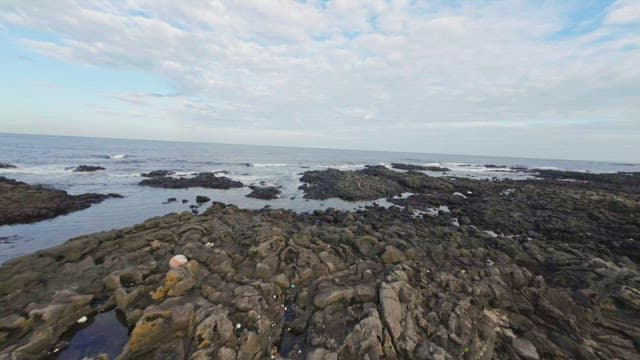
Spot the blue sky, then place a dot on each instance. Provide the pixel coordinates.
(518, 78)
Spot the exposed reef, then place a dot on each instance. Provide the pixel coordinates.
(264, 193)
(204, 179)
(87, 168)
(24, 203)
(419, 167)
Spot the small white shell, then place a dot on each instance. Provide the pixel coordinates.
(177, 261)
(82, 320)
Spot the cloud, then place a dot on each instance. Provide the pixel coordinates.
(624, 12)
(308, 66)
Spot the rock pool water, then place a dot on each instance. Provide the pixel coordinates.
(104, 333)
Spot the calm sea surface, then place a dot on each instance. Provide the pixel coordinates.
(46, 159)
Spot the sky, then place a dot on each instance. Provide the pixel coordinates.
(545, 79)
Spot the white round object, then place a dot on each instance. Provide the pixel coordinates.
(177, 261)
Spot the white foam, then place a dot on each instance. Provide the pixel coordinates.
(117, 156)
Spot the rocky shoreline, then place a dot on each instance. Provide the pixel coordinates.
(461, 268)
(24, 203)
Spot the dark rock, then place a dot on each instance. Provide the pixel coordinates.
(6, 166)
(264, 193)
(24, 203)
(205, 180)
(407, 166)
(87, 168)
(200, 199)
(156, 173)
(437, 168)
(412, 167)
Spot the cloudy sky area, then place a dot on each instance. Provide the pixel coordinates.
(555, 79)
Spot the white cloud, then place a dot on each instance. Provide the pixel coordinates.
(308, 66)
(624, 12)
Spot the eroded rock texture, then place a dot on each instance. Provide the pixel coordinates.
(375, 284)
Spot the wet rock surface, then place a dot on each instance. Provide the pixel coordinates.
(204, 179)
(546, 270)
(87, 168)
(24, 203)
(264, 193)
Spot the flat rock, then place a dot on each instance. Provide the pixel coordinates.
(24, 203)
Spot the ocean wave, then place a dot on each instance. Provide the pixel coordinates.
(118, 156)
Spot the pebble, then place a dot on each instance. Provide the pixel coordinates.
(82, 320)
(177, 261)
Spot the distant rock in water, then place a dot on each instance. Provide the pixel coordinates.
(493, 166)
(264, 193)
(24, 203)
(408, 166)
(6, 166)
(156, 173)
(413, 167)
(200, 199)
(87, 168)
(205, 180)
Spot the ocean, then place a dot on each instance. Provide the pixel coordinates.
(47, 160)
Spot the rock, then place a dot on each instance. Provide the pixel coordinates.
(437, 169)
(177, 282)
(392, 255)
(525, 349)
(264, 193)
(177, 261)
(205, 180)
(407, 166)
(391, 309)
(161, 330)
(331, 295)
(158, 173)
(87, 168)
(6, 166)
(200, 199)
(24, 203)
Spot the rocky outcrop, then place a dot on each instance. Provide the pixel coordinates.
(24, 203)
(6, 166)
(412, 167)
(205, 180)
(373, 284)
(87, 168)
(264, 193)
(158, 173)
(259, 283)
(371, 183)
